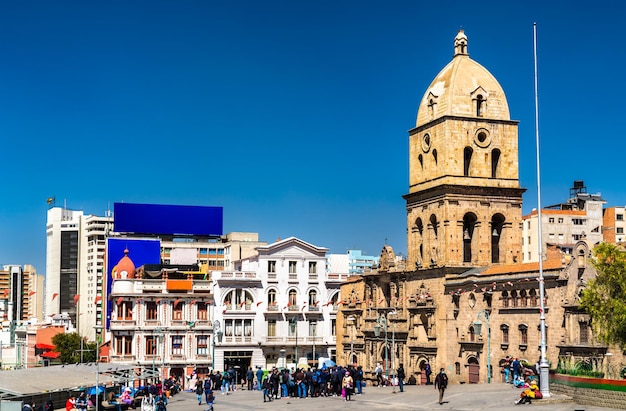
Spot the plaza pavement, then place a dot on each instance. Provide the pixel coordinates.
(465, 397)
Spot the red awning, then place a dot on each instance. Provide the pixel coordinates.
(42, 346)
(51, 354)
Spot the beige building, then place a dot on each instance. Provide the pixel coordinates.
(613, 224)
(466, 300)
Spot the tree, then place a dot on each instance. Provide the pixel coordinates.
(604, 298)
(68, 344)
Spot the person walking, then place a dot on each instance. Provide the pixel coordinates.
(401, 377)
(441, 383)
(506, 368)
(199, 391)
(347, 384)
(250, 379)
(259, 378)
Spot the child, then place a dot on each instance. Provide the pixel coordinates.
(267, 396)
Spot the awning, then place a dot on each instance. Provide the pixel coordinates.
(42, 346)
(51, 354)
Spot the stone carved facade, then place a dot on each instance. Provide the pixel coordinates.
(464, 239)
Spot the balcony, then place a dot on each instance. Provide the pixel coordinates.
(237, 277)
(123, 324)
(122, 358)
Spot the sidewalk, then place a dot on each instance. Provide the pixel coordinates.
(464, 397)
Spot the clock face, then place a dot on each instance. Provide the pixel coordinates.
(426, 142)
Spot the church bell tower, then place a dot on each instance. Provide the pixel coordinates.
(464, 200)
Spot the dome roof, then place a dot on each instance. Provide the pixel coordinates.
(125, 268)
(463, 88)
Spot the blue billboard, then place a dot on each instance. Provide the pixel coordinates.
(140, 252)
(167, 219)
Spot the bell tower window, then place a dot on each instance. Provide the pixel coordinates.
(480, 105)
(469, 223)
(467, 158)
(495, 159)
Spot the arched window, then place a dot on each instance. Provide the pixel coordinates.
(495, 159)
(472, 334)
(523, 298)
(433, 224)
(293, 298)
(505, 299)
(312, 298)
(533, 298)
(514, 302)
(523, 334)
(469, 223)
(480, 101)
(505, 334)
(239, 299)
(467, 158)
(497, 222)
(271, 298)
(435, 155)
(421, 160)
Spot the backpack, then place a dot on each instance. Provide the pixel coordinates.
(315, 377)
(226, 376)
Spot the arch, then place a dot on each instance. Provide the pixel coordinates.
(435, 155)
(419, 225)
(421, 160)
(495, 160)
(467, 159)
(480, 101)
(497, 224)
(434, 224)
(312, 297)
(469, 224)
(271, 297)
(292, 297)
(239, 299)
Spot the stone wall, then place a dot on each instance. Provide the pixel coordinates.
(590, 396)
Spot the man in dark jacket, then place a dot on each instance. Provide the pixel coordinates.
(401, 377)
(441, 383)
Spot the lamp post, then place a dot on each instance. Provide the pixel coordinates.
(294, 327)
(98, 328)
(484, 314)
(381, 321)
(217, 331)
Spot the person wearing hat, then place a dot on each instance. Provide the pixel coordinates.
(347, 385)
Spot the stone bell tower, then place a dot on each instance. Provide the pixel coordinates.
(464, 201)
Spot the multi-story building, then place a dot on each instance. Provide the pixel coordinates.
(21, 298)
(277, 308)
(466, 300)
(564, 224)
(352, 262)
(174, 320)
(613, 224)
(75, 256)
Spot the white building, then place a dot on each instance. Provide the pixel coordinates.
(277, 308)
(75, 250)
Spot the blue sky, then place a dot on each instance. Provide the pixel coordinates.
(292, 115)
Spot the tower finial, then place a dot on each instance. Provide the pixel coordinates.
(460, 44)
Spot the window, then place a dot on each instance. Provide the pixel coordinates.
(528, 240)
(312, 267)
(523, 334)
(293, 297)
(551, 220)
(293, 267)
(271, 328)
(584, 332)
(467, 158)
(333, 326)
(124, 310)
(312, 298)
(578, 221)
(291, 328)
(151, 345)
(619, 230)
(313, 328)
(177, 345)
(495, 158)
(505, 334)
(271, 266)
(203, 345)
(124, 345)
(271, 298)
(479, 105)
(561, 236)
(560, 220)
(202, 311)
(177, 311)
(619, 217)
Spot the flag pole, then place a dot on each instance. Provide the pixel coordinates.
(544, 367)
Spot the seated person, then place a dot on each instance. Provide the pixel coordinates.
(529, 393)
(69, 404)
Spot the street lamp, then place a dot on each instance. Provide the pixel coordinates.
(294, 327)
(98, 328)
(484, 314)
(381, 321)
(216, 332)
